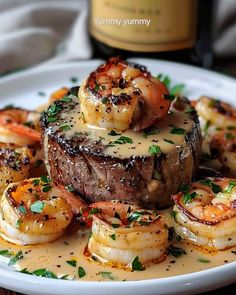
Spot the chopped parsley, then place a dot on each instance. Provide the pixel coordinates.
(189, 197)
(52, 112)
(105, 100)
(43, 272)
(168, 140)
(113, 133)
(15, 258)
(230, 186)
(6, 253)
(37, 207)
(173, 214)
(115, 225)
(215, 188)
(81, 272)
(66, 98)
(137, 265)
(154, 149)
(151, 131)
(65, 127)
(72, 262)
(169, 97)
(121, 140)
(176, 251)
(113, 237)
(177, 131)
(177, 89)
(203, 260)
(106, 275)
(36, 182)
(174, 90)
(70, 188)
(135, 215)
(22, 209)
(184, 188)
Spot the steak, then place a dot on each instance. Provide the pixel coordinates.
(82, 163)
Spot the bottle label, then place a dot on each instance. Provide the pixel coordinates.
(144, 25)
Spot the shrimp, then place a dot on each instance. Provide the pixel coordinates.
(121, 232)
(19, 126)
(223, 147)
(14, 163)
(120, 95)
(215, 112)
(33, 211)
(205, 213)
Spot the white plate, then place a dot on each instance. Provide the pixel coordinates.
(22, 89)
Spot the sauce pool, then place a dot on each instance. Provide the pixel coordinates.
(65, 257)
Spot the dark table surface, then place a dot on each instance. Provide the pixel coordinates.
(223, 66)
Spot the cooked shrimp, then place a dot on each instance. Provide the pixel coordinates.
(120, 95)
(205, 213)
(33, 211)
(121, 232)
(19, 126)
(14, 163)
(215, 112)
(223, 147)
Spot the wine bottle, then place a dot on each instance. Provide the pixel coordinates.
(176, 30)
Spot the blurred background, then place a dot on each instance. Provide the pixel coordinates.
(38, 32)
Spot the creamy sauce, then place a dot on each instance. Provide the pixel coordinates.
(71, 246)
(163, 137)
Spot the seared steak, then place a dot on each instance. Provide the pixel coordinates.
(95, 169)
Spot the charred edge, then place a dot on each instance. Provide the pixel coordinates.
(8, 194)
(120, 99)
(220, 109)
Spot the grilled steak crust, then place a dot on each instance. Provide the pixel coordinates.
(82, 164)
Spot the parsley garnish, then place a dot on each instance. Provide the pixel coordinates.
(113, 133)
(203, 260)
(37, 207)
(66, 99)
(154, 149)
(184, 188)
(168, 140)
(17, 257)
(121, 140)
(176, 251)
(189, 197)
(42, 272)
(22, 209)
(65, 127)
(231, 185)
(177, 131)
(105, 100)
(151, 131)
(206, 127)
(81, 272)
(215, 188)
(106, 275)
(137, 265)
(113, 236)
(6, 253)
(72, 262)
(70, 188)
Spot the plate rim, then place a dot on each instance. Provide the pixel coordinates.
(190, 277)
